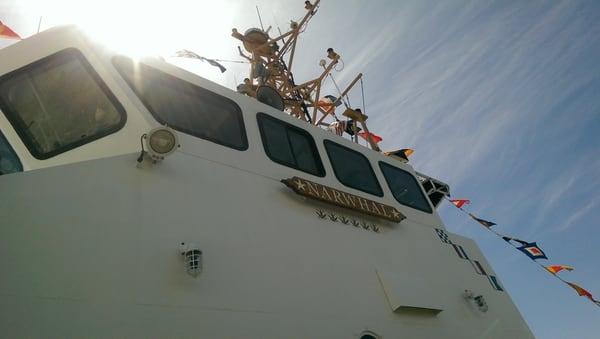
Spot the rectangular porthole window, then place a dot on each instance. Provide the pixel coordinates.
(352, 168)
(289, 145)
(404, 187)
(58, 103)
(9, 162)
(460, 251)
(184, 106)
(478, 268)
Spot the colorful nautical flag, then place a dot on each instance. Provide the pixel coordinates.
(509, 239)
(401, 153)
(557, 268)
(460, 202)
(532, 251)
(407, 152)
(367, 135)
(443, 236)
(582, 292)
(483, 222)
(6, 32)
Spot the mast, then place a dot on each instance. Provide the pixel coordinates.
(271, 79)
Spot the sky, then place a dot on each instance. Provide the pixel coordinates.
(499, 99)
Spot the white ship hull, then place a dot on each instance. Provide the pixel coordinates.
(90, 243)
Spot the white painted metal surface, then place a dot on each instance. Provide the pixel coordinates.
(90, 244)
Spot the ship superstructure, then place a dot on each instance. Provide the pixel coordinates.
(141, 200)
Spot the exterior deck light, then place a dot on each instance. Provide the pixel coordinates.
(192, 257)
(161, 142)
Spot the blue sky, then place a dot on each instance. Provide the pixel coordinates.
(500, 99)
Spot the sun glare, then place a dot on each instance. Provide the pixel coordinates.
(152, 28)
(142, 28)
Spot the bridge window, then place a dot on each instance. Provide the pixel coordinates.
(185, 107)
(58, 103)
(9, 162)
(289, 145)
(405, 187)
(352, 168)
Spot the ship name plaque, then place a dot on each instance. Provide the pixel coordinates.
(336, 197)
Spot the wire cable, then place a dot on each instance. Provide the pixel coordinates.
(341, 68)
(347, 104)
(362, 89)
(235, 61)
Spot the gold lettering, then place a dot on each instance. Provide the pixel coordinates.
(325, 194)
(312, 188)
(384, 211)
(341, 198)
(337, 195)
(350, 199)
(375, 208)
(364, 204)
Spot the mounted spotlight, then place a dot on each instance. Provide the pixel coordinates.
(161, 142)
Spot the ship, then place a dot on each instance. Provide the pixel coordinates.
(141, 200)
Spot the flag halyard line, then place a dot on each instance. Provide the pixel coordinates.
(596, 302)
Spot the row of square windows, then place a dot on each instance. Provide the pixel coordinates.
(59, 103)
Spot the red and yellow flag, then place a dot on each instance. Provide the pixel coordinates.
(407, 152)
(459, 202)
(582, 292)
(401, 153)
(557, 268)
(366, 135)
(8, 33)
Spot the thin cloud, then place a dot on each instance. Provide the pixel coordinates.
(580, 213)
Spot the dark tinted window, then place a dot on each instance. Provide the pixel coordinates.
(289, 145)
(185, 107)
(352, 168)
(58, 103)
(405, 187)
(9, 162)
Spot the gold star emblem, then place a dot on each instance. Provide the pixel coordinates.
(300, 185)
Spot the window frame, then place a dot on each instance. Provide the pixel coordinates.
(189, 87)
(14, 153)
(315, 150)
(327, 141)
(66, 53)
(418, 184)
